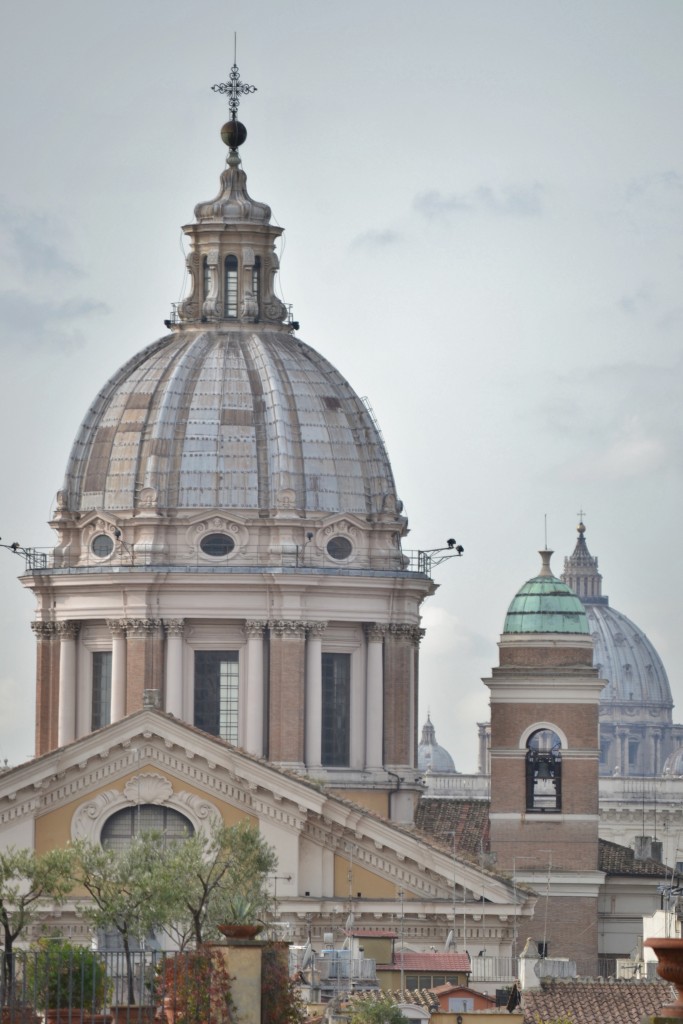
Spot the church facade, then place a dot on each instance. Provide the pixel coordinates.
(228, 627)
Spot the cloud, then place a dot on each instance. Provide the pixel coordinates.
(377, 239)
(509, 201)
(655, 186)
(32, 243)
(638, 301)
(27, 324)
(623, 419)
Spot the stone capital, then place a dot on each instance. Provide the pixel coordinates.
(142, 627)
(316, 629)
(255, 628)
(404, 631)
(174, 627)
(117, 627)
(288, 629)
(68, 629)
(44, 631)
(375, 631)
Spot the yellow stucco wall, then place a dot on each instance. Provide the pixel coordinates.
(363, 881)
(53, 829)
(375, 801)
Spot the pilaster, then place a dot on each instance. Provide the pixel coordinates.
(143, 660)
(47, 686)
(287, 699)
(400, 722)
(174, 629)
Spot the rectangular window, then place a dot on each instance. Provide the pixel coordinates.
(336, 723)
(216, 685)
(231, 286)
(101, 689)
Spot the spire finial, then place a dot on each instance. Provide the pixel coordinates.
(234, 88)
(581, 529)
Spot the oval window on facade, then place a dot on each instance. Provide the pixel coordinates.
(102, 545)
(340, 548)
(217, 545)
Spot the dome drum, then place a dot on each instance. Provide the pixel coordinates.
(216, 539)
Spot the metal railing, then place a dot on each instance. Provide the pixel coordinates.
(292, 558)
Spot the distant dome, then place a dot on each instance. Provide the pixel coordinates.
(234, 419)
(545, 605)
(626, 658)
(431, 756)
(674, 763)
(622, 652)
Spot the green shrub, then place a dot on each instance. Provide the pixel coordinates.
(62, 975)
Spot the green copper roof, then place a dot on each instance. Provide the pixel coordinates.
(546, 605)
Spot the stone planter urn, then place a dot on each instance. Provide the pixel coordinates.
(239, 930)
(669, 953)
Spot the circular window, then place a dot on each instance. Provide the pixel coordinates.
(102, 545)
(217, 545)
(339, 548)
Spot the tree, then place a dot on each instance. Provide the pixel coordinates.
(373, 1011)
(27, 882)
(134, 890)
(218, 872)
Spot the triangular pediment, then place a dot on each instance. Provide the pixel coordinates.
(152, 757)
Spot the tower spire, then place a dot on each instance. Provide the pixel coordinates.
(581, 569)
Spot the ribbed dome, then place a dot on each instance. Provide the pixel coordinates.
(545, 605)
(674, 763)
(430, 755)
(626, 658)
(622, 652)
(242, 419)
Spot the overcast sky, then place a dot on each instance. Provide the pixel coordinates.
(483, 203)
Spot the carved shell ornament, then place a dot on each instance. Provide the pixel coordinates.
(148, 788)
(143, 788)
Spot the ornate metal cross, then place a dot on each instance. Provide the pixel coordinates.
(234, 89)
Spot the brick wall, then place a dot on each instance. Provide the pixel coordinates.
(286, 711)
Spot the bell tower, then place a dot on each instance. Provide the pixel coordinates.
(544, 763)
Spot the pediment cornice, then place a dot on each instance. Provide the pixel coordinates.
(152, 743)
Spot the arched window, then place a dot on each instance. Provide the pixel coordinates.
(543, 772)
(230, 302)
(122, 827)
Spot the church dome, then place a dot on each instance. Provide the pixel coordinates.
(430, 755)
(626, 658)
(545, 605)
(622, 652)
(245, 419)
(231, 410)
(674, 763)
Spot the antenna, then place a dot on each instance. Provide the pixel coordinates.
(545, 528)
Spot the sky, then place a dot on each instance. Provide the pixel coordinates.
(483, 203)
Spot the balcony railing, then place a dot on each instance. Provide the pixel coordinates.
(288, 558)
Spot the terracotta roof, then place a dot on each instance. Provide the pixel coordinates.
(450, 988)
(592, 1000)
(419, 997)
(428, 962)
(463, 824)
(621, 860)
